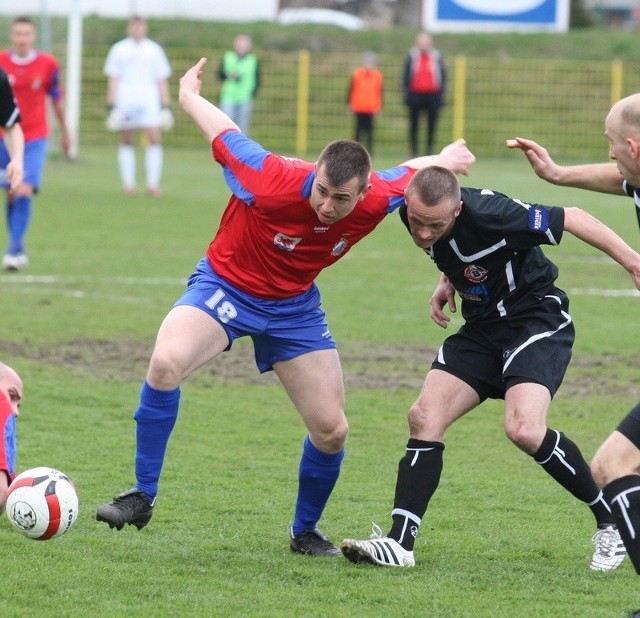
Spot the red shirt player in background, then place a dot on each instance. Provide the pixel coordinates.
(11, 390)
(286, 220)
(34, 76)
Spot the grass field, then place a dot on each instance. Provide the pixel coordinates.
(500, 538)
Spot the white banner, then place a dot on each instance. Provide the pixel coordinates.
(215, 10)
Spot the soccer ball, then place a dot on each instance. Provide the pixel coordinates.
(42, 503)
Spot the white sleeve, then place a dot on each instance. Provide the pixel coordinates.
(112, 63)
(163, 68)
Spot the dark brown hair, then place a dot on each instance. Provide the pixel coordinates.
(344, 159)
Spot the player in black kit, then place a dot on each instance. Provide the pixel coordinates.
(616, 465)
(515, 345)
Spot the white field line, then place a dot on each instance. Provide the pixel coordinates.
(603, 292)
(71, 287)
(55, 280)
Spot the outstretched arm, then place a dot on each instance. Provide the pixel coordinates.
(595, 233)
(14, 141)
(456, 157)
(65, 134)
(602, 177)
(210, 120)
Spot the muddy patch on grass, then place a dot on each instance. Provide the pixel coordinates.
(365, 365)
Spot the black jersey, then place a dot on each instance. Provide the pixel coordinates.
(633, 192)
(492, 255)
(9, 112)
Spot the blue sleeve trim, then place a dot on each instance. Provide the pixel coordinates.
(392, 173)
(538, 219)
(395, 203)
(236, 186)
(244, 149)
(306, 186)
(247, 153)
(55, 92)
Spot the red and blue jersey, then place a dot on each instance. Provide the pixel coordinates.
(8, 436)
(33, 79)
(270, 242)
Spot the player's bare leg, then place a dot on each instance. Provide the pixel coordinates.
(187, 339)
(526, 407)
(616, 468)
(314, 383)
(444, 399)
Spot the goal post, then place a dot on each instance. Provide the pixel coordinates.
(74, 75)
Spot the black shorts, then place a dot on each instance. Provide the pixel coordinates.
(629, 427)
(534, 346)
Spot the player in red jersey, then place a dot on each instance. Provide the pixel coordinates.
(11, 390)
(286, 221)
(34, 76)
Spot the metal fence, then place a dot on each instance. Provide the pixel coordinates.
(561, 103)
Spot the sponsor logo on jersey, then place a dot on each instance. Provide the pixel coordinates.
(321, 229)
(538, 219)
(339, 247)
(476, 294)
(475, 274)
(284, 242)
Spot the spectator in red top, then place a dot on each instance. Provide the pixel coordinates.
(365, 98)
(424, 88)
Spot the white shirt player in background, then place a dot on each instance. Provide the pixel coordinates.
(138, 98)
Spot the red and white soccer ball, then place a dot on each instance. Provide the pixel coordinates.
(42, 503)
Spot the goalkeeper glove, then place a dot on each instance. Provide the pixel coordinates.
(166, 119)
(114, 119)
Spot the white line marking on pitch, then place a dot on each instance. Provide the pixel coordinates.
(55, 279)
(177, 281)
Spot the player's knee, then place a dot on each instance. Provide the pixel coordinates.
(338, 437)
(598, 470)
(331, 439)
(416, 418)
(422, 422)
(3, 498)
(525, 436)
(164, 372)
(605, 466)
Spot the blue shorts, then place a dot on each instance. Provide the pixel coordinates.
(35, 155)
(280, 329)
(8, 436)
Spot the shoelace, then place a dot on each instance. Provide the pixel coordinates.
(606, 541)
(376, 531)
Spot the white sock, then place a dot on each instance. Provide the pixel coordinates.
(127, 165)
(153, 164)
